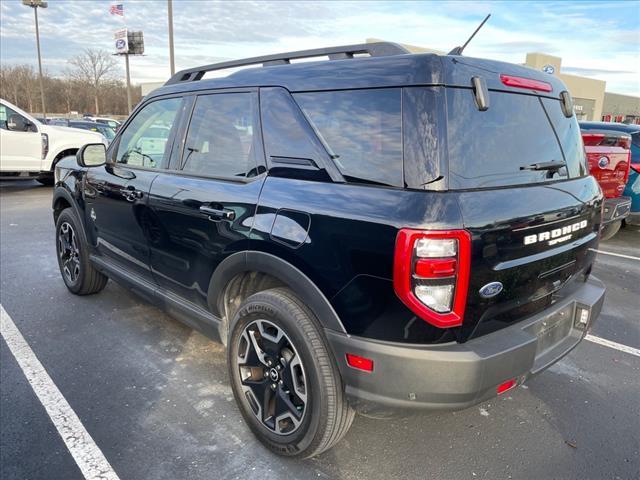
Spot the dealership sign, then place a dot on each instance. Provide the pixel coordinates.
(122, 42)
(550, 69)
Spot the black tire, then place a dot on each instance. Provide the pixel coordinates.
(80, 277)
(610, 230)
(46, 180)
(326, 414)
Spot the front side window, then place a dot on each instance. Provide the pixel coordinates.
(220, 141)
(5, 113)
(144, 141)
(363, 130)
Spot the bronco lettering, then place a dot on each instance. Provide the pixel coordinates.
(557, 234)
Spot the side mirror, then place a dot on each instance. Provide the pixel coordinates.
(92, 155)
(17, 123)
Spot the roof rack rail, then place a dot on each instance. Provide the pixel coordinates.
(377, 49)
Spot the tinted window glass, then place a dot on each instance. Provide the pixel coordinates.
(487, 149)
(220, 138)
(5, 113)
(424, 133)
(286, 131)
(362, 128)
(568, 132)
(144, 141)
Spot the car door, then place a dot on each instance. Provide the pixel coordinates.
(204, 208)
(19, 151)
(116, 194)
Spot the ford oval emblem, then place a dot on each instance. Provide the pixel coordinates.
(491, 290)
(603, 162)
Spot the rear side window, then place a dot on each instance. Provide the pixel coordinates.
(488, 149)
(362, 129)
(221, 135)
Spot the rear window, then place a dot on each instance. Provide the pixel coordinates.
(488, 149)
(362, 129)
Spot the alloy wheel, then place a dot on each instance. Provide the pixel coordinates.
(272, 377)
(69, 252)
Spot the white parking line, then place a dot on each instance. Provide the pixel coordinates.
(610, 344)
(87, 455)
(615, 254)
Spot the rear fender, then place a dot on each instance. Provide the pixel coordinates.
(289, 275)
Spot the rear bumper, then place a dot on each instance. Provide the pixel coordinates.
(616, 209)
(458, 375)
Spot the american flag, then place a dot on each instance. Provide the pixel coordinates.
(117, 10)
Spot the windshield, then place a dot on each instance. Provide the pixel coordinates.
(502, 145)
(108, 133)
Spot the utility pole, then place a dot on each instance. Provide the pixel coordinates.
(172, 62)
(35, 4)
(126, 63)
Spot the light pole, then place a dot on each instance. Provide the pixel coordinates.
(126, 63)
(172, 62)
(35, 4)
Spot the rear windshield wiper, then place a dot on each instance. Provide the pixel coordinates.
(545, 166)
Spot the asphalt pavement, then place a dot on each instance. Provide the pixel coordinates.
(155, 398)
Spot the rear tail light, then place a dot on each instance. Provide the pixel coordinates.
(431, 274)
(528, 83)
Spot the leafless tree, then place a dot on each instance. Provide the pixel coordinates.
(65, 92)
(94, 67)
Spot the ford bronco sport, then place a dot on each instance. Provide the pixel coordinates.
(376, 231)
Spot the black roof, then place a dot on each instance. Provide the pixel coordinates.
(391, 66)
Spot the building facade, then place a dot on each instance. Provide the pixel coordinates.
(621, 108)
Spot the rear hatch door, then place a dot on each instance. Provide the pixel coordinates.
(609, 159)
(532, 230)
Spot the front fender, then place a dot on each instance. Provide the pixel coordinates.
(68, 191)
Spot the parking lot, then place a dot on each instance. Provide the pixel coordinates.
(154, 396)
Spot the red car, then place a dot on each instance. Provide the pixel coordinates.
(609, 158)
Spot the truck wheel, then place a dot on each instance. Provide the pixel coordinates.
(284, 377)
(610, 230)
(47, 180)
(80, 277)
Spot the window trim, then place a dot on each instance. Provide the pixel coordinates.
(112, 151)
(176, 165)
(325, 161)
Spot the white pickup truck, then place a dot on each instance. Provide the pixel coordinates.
(30, 149)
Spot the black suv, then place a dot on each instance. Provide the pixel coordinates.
(375, 231)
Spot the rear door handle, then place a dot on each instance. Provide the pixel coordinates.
(218, 214)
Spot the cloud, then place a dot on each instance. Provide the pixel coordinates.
(592, 72)
(602, 41)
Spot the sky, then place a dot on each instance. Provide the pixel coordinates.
(594, 39)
